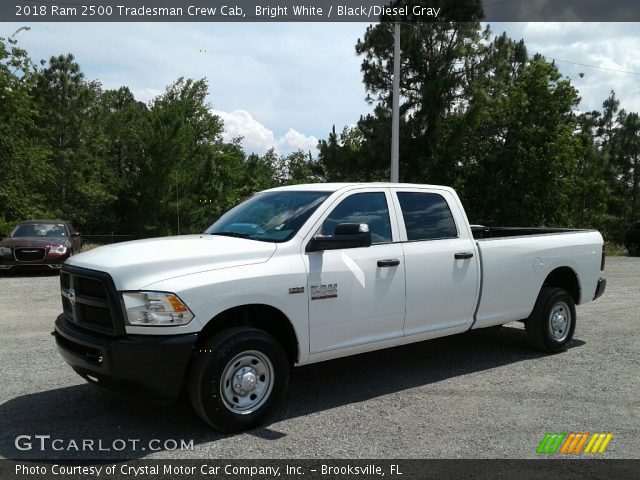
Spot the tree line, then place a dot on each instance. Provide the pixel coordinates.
(478, 113)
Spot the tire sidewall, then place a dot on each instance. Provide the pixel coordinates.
(213, 406)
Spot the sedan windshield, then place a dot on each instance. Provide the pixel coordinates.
(38, 229)
(269, 216)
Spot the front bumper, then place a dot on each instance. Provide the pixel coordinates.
(150, 367)
(602, 285)
(50, 262)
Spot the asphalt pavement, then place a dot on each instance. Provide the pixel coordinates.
(485, 394)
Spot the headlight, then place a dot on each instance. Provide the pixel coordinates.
(155, 309)
(5, 252)
(60, 250)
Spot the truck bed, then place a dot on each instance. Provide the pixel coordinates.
(516, 261)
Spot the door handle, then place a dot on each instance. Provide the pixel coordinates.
(392, 262)
(463, 255)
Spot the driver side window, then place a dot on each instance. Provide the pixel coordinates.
(370, 208)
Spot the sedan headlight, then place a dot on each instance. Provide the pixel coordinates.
(5, 252)
(60, 250)
(155, 309)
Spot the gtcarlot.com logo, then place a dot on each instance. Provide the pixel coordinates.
(574, 443)
(44, 443)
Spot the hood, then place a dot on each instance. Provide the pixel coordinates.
(34, 242)
(134, 265)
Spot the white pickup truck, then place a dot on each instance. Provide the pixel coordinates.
(305, 273)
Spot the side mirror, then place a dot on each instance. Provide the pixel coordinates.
(347, 235)
(3, 236)
(75, 234)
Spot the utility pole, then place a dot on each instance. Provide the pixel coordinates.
(395, 111)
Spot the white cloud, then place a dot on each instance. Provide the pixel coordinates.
(612, 45)
(257, 138)
(294, 140)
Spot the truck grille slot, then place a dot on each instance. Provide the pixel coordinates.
(96, 315)
(88, 302)
(66, 306)
(94, 288)
(29, 254)
(65, 279)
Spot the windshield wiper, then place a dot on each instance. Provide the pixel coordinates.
(231, 234)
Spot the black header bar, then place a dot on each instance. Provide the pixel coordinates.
(369, 11)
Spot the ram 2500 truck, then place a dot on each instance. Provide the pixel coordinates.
(306, 273)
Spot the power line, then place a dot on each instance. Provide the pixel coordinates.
(595, 66)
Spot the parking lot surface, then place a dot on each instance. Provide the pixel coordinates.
(484, 394)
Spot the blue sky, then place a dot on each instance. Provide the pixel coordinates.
(286, 84)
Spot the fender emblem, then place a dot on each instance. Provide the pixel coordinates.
(321, 292)
(294, 290)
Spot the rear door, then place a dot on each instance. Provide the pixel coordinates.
(356, 295)
(440, 260)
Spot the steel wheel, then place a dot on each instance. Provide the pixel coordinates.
(560, 321)
(246, 382)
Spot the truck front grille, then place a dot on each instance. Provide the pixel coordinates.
(89, 300)
(96, 315)
(28, 254)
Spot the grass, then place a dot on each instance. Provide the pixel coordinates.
(615, 249)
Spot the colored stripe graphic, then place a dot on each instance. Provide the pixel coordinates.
(581, 443)
(574, 442)
(550, 442)
(598, 443)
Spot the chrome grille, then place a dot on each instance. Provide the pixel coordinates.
(29, 254)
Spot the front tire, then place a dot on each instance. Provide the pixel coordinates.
(551, 325)
(238, 379)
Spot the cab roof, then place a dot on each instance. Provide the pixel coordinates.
(334, 187)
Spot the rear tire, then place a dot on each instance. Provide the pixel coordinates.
(238, 378)
(551, 325)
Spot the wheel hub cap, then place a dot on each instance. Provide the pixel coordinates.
(245, 381)
(559, 321)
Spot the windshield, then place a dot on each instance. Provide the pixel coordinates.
(269, 216)
(38, 229)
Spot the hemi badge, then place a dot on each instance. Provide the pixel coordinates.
(294, 290)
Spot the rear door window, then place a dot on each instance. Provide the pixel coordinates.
(426, 216)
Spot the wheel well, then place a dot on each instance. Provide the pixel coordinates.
(263, 317)
(565, 278)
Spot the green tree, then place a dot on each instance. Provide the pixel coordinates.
(524, 174)
(68, 122)
(126, 126)
(627, 164)
(591, 176)
(24, 173)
